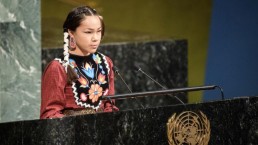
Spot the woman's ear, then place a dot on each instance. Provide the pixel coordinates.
(70, 32)
(72, 42)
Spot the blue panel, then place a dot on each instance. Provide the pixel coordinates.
(233, 48)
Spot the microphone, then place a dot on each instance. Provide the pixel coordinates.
(115, 69)
(139, 69)
(164, 88)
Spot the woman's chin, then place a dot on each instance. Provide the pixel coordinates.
(94, 50)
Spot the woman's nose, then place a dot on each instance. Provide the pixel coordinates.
(94, 37)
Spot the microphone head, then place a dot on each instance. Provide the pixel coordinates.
(136, 67)
(115, 69)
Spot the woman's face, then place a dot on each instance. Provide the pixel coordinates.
(87, 36)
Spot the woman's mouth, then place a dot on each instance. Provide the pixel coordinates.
(94, 46)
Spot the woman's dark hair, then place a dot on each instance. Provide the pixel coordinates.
(77, 15)
(73, 20)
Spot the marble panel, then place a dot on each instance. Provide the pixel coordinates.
(20, 55)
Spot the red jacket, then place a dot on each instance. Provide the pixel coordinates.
(57, 95)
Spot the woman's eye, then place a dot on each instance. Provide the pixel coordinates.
(88, 32)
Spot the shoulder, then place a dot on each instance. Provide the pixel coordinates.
(55, 66)
(108, 59)
(108, 62)
(55, 63)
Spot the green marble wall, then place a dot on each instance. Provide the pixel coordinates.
(20, 59)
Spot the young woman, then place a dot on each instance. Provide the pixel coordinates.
(74, 84)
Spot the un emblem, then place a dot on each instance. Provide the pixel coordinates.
(188, 128)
